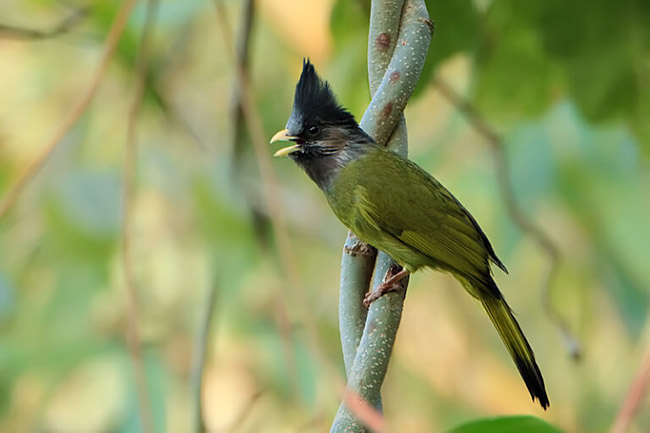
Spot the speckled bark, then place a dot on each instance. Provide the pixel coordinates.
(400, 32)
(402, 73)
(356, 270)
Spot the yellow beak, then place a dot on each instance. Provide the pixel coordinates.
(284, 136)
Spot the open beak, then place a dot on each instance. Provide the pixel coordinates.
(284, 136)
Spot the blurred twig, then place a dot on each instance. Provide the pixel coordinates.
(242, 48)
(10, 197)
(634, 398)
(367, 414)
(64, 26)
(525, 224)
(132, 334)
(160, 88)
(198, 358)
(271, 193)
(242, 58)
(259, 139)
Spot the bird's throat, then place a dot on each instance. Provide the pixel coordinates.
(324, 168)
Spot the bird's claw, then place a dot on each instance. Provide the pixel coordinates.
(380, 291)
(391, 283)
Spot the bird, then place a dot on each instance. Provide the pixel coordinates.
(392, 204)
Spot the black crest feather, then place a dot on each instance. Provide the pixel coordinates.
(315, 102)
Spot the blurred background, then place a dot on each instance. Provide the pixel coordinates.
(564, 86)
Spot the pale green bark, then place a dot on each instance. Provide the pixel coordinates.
(400, 32)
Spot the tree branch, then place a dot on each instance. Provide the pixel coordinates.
(239, 140)
(10, 197)
(133, 339)
(357, 265)
(358, 260)
(270, 188)
(383, 119)
(199, 355)
(64, 26)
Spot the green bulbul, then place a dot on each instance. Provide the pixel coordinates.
(394, 205)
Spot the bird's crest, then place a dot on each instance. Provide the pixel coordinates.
(315, 101)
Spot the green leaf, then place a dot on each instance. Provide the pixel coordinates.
(593, 53)
(512, 424)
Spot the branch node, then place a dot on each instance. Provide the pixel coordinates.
(360, 248)
(383, 41)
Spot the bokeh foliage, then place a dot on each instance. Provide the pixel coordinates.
(563, 82)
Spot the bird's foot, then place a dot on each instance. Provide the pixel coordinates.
(391, 284)
(380, 291)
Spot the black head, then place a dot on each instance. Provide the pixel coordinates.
(326, 135)
(315, 105)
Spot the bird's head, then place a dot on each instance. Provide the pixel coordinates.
(325, 135)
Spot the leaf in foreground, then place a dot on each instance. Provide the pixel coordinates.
(514, 424)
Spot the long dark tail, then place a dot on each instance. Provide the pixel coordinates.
(516, 343)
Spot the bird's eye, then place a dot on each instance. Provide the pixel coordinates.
(313, 130)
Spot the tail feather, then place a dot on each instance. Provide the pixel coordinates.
(516, 343)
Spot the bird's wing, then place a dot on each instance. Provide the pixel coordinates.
(424, 215)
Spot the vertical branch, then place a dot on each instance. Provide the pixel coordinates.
(357, 264)
(132, 333)
(198, 358)
(270, 188)
(358, 260)
(11, 196)
(525, 224)
(380, 120)
(241, 56)
(258, 137)
(371, 362)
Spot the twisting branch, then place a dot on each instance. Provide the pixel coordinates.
(525, 224)
(358, 260)
(10, 197)
(64, 26)
(133, 339)
(409, 40)
(634, 397)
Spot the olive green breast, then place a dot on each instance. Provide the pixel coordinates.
(363, 194)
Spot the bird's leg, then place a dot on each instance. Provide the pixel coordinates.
(390, 284)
